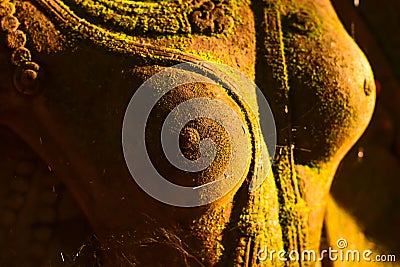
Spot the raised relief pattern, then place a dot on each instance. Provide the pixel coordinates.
(164, 17)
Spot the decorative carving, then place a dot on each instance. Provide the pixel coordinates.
(164, 17)
(211, 17)
(26, 79)
(27, 72)
(16, 39)
(9, 23)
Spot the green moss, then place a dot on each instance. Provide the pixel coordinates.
(138, 17)
(300, 19)
(208, 56)
(208, 228)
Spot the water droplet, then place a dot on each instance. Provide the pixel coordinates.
(353, 30)
(360, 153)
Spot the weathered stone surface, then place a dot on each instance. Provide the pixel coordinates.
(81, 64)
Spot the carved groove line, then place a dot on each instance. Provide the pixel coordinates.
(295, 238)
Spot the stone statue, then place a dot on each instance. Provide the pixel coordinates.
(69, 69)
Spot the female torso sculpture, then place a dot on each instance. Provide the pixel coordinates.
(71, 67)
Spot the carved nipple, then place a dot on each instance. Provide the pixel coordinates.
(202, 139)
